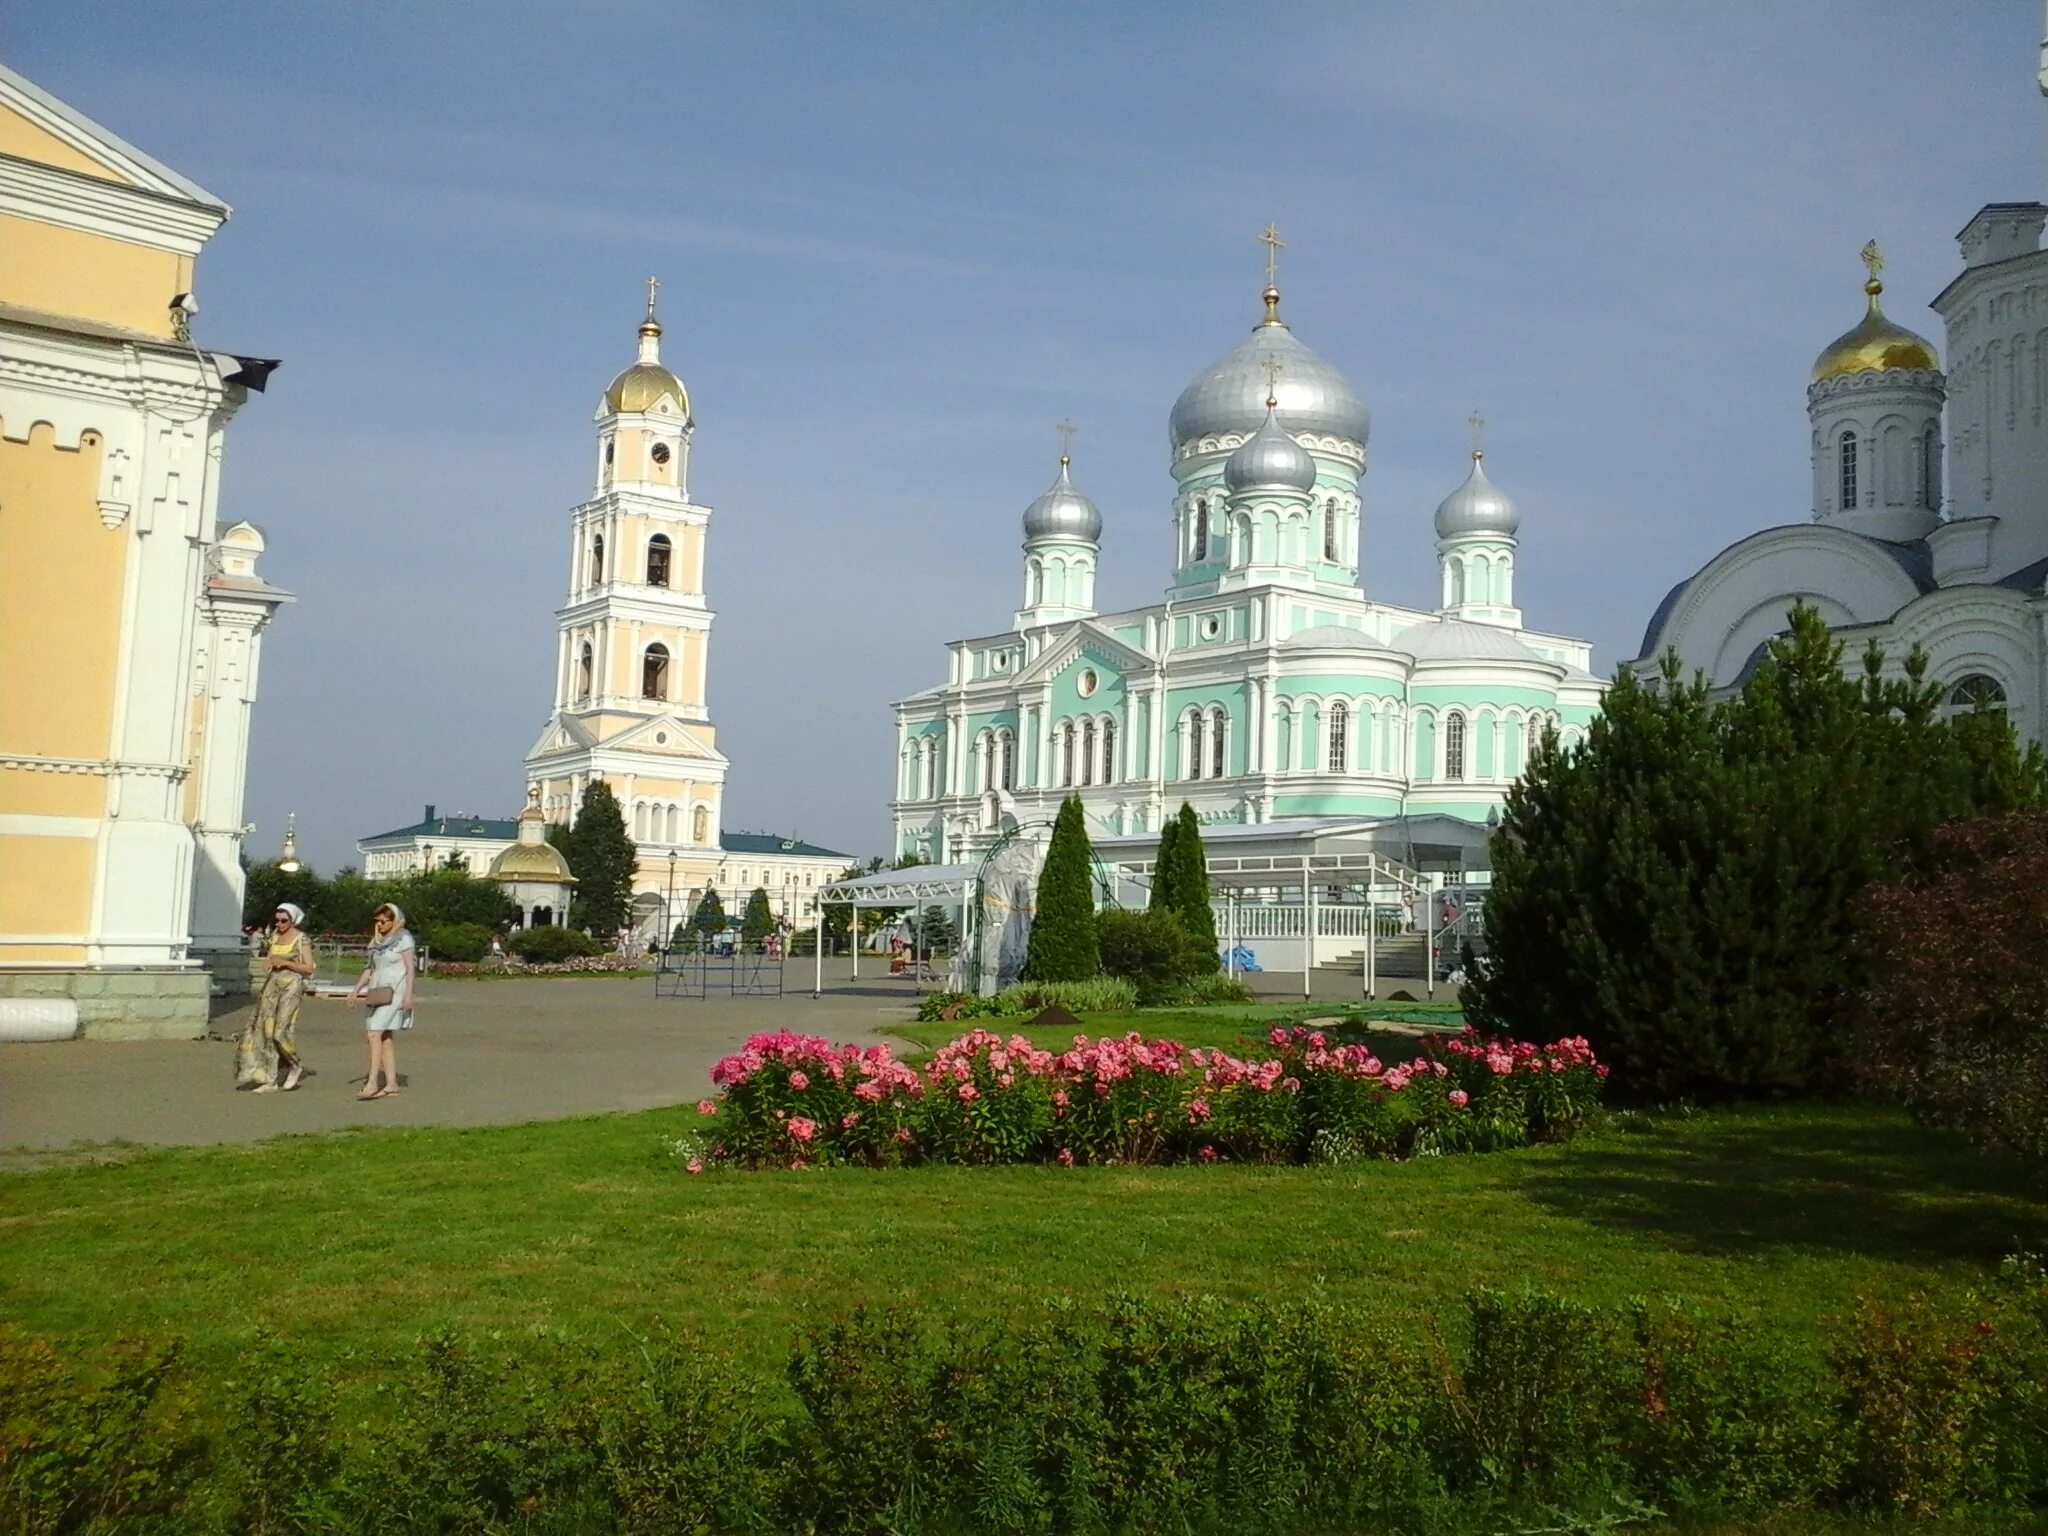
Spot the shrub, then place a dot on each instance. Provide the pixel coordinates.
(1208, 990)
(1682, 887)
(757, 917)
(465, 943)
(1098, 994)
(935, 1007)
(1955, 1019)
(548, 946)
(1062, 945)
(1151, 949)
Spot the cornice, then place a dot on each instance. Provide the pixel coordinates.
(48, 194)
(1873, 381)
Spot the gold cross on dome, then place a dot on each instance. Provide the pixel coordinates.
(1873, 259)
(653, 286)
(1274, 245)
(1274, 368)
(1475, 424)
(1066, 430)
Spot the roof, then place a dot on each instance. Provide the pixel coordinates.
(119, 148)
(454, 826)
(250, 372)
(1333, 637)
(905, 887)
(770, 843)
(2028, 578)
(1457, 640)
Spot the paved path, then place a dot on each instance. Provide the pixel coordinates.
(485, 1053)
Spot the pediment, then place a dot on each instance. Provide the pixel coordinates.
(1087, 640)
(37, 127)
(564, 733)
(683, 741)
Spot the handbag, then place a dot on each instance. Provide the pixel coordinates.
(379, 997)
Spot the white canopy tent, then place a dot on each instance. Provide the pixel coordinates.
(920, 886)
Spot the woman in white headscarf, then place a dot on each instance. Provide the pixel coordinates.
(386, 989)
(266, 1046)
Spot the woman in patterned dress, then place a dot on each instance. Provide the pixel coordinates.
(267, 1044)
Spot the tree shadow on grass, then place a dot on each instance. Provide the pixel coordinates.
(1844, 1180)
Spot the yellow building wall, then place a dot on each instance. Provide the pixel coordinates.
(26, 141)
(45, 888)
(59, 633)
(33, 792)
(92, 277)
(692, 559)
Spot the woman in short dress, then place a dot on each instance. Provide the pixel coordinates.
(267, 1044)
(390, 975)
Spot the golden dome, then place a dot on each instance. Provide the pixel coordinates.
(532, 861)
(1877, 344)
(641, 385)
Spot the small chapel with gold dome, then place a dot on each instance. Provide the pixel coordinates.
(1928, 514)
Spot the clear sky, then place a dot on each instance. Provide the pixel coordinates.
(897, 243)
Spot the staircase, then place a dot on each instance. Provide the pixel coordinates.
(1398, 955)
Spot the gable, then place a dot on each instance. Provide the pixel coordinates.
(684, 742)
(561, 734)
(1089, 641)
(35, 126)
(26, 140)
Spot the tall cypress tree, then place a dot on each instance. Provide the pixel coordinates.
(601, 857)
(757, 917)
(1191, 890)
(1063, 946)
(1166, 870)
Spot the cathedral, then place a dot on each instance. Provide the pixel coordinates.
(1266, 687)
(1929, 509)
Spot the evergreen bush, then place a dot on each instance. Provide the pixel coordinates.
(1150, 949)
(1180, 885)
(1682, 888)
(462, 942)
(1063, 946)
(709, 918)
(549, 946)
(757, 917)
(601, 857)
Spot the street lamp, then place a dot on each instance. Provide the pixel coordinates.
(668, 911)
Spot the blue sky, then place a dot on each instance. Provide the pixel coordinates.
(897, 243)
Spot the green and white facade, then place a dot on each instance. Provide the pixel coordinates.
(1266, 686)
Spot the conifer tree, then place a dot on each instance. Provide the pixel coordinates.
(1062, 946)
(1166, 870)
(601, 857)
(757, 917)
(709, 918)
(1191, 891)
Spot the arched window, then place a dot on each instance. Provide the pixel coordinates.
(1847, 449)
(1088, 752)
(1974, 693)
(640, 822)
(596, 558)
(654, 672)
(1930, 471)
(1008, 746)
(669, 825)
(1217, 746)
(1191, 765)
(1454, 746)
(1457, 580)
(585, 664)
(1200, 542)
(657, 560)
(1067, 755)
(1340, 736)
(700, 824)
(1109, 751)
(607, 452)
(1330, 530)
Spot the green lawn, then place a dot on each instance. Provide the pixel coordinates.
(1229, 1026)
(354, 1243)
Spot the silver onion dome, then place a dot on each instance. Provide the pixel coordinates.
(1230, 396)
(1269, 457)
(1063, 513)
(1477, 507)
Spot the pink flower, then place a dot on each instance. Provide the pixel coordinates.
(1198, 1111)
(903, 1133)
(802, 1129)
(695, 1165)
(706, 1107)
(871, 1091)
(1207, 1154)
(1059, 1097)
(849, 1120)
(798, 1081)
(1460, 1097)
(1066, 1157)
(969, 1093)
(1005, 1080)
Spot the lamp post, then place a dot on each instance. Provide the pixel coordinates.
(668, 906)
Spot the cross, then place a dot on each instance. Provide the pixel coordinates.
(653, 284)
(1274, 368)
(1476, 425)
(1274, 246)
(1066, 430)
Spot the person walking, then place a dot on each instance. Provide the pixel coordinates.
(267, 1046)
(386, 988)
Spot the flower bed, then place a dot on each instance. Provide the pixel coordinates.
(795, 1101)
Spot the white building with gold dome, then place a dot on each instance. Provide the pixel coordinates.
(632, 659)
(131, 617)
(1928, 523)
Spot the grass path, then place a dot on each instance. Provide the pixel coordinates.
(355, 1243)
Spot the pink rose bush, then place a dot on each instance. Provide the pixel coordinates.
(798, 1101)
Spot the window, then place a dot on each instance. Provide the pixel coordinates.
(1930, 471)
(1193, 761)
(1330, 530)
(1009, 750)
(584, 665)
(1199, 544)
(607, 452)
(1216, 744)
(597, 559)
(1454, 746)
(1340, 734)
(1975, 692)
(1088, 752)
(1109, 751)
(657, 560)
(1067, 756)
(1848, 471)
(654, 672)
